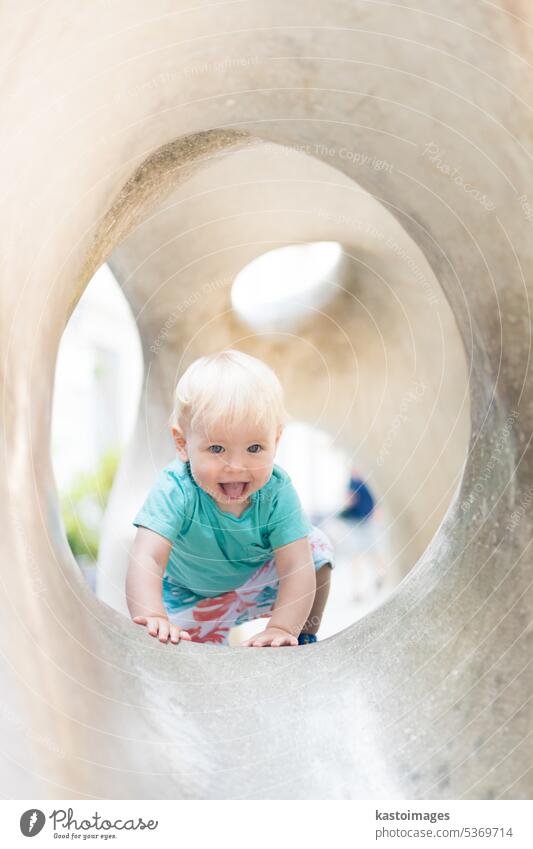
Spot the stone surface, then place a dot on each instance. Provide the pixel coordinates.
(156, 138)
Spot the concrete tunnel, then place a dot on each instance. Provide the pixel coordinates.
(178, 148)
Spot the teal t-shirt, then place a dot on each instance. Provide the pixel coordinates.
(214, 551)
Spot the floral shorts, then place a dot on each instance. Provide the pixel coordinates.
(209, 620)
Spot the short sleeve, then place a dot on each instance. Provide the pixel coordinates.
(287, 521)
(164, 508)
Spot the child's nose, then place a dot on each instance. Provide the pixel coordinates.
(235, 463)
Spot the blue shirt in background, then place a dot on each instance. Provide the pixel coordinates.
(364, 503)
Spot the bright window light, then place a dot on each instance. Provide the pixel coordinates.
(278, 287)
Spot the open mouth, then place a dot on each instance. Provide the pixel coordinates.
(235, 489)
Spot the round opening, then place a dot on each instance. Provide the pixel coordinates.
(350, 317)
(274, 289)
(96, 396)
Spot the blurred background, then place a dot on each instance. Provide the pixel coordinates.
(96, 397)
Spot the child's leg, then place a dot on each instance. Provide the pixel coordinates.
(209, 620)
(259, 593)
(203, 618)
(314, 619)
(323, 556)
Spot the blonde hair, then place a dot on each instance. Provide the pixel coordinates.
(225, 389)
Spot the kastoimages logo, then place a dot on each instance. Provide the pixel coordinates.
(31, 822)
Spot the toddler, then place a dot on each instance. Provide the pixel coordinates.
(222, 537)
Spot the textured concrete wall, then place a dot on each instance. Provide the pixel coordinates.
(381, 367)
(130, 126)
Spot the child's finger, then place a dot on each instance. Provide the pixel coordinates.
(153, 626)
(164, 629)
(140, 620)
(174, 634)
(290, 640)
(177, 634)
(285, 640)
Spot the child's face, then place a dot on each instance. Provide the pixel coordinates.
(229, 463)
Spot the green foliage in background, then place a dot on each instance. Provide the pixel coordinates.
(84, 503)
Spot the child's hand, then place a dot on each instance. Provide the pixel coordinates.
(160, 625)
(272, 637)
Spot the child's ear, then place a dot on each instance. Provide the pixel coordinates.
(278, 434)
(180, 443)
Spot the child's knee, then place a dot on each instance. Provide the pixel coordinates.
(321, 545)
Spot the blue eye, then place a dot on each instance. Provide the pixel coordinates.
(213, 448)
(255, 445)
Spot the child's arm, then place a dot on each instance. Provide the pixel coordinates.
(144, 592)
(297, 587)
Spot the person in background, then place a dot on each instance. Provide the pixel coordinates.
(360, 509)
(360, 501)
